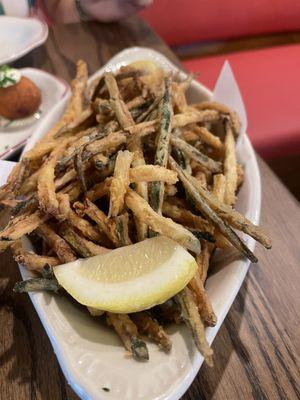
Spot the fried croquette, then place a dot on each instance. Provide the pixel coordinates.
(20, 100)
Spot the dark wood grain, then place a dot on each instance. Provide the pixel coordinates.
(211, 48)
(256, 349)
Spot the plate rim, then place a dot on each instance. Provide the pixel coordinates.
(178, 390)
(35, 42)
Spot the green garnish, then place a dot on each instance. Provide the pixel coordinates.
(105, 389)
(7, 77)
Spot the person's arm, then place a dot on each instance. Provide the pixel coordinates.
(66, 11)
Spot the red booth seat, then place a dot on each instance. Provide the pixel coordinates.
(269, 81)
(182, 22)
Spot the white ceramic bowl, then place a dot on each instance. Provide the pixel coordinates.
(53, 90)
(90, 354)
(18, 36)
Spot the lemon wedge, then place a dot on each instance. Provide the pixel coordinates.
(131, 278)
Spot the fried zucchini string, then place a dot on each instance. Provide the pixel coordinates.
(202, 205)
(99, 190)
(158, 223)
(92, 134)
(179, 98)
(219, 187)
(120, 182)
(128, 333)
(83, 226)
(150, 173)
(223, 111)
(230, 165)
(122, 229)
(82, 246)
(5, 244)
(80, 169)
(182, 158)
(122, 114)
(207, 137)
(57, 243)
(97, 215)
(32, 261)
(46, 186)
(218, 190)
(141, 187)
(63, 206)
(22, 225)
(150, 327)
(111, 142)
(194, 154)
(25, 207)
(75, 105)
(37, 284)
(233, 217)
(203, 260)
(13, 181)
(35, 262)
(192, 318)
(147, 113)
(186, 217)
(143, 173)
(163, 141)
(204, 306)
(179, 120)
(121, 179)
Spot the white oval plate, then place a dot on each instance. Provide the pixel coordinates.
(90, 354)
(53, 90)
(18, 36)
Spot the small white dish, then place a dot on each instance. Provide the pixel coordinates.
(90, 354)
(18, 36)
(15, 135)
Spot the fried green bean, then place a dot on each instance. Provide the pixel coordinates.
(23, 225)
(128, 333)
(83, 121)
(93, 134)
(122, 229)
(79, 168)
(160, 224)
(36, 284)
(195, 154)
(56, 242)
(122, 114)
(150, 327)
(80, 244)
(144, 116)
(202, 205)
(162, 151)
(233, 217)
(97, 215)
(192, 318)
(139, 349)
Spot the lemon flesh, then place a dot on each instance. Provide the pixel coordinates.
(131, 278)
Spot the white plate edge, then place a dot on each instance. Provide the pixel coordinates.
(134, 54)
(39, 41)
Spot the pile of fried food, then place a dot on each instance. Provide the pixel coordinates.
(130, 159)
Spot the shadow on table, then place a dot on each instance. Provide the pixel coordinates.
(226, 342)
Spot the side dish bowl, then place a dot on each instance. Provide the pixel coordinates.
(90, 356)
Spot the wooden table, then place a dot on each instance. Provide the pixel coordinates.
(257, 348)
